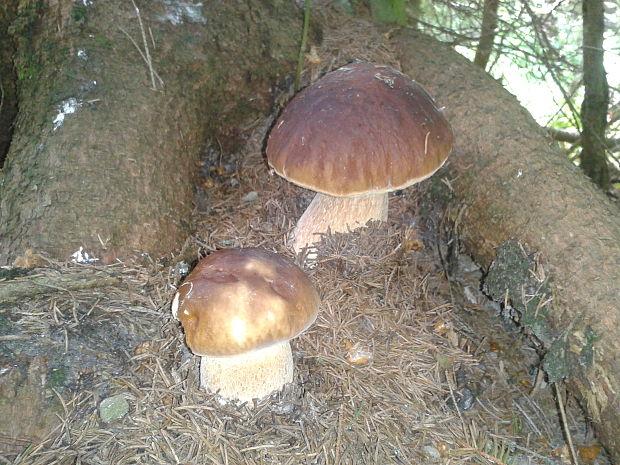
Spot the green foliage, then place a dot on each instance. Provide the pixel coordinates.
(389, 11)
(537, 56)
(397, 12)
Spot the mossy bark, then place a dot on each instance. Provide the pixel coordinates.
(8, 90)
(516, 184)
(102, 158)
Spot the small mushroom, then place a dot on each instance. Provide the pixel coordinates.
(356, 134)
(239, 308)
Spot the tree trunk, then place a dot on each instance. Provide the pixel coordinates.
(103, 153)
(515, 184)
(487, 33)
(596, 99)
(8, 97)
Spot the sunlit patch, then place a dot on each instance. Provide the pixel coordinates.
(178, 12)
(191, 288)
(267, 271)
(238, 329)
(388, 80)
(81, 256)
(67, 107)
(175, 306)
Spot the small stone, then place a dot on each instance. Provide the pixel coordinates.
(431, 452)
(113, 408)
(250, 197)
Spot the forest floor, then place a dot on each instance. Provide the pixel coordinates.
(407, 363)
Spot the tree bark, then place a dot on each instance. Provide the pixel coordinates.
(8, 97)
(515, 183)
(487, 33)
(596, 99)
(24, 288)
(103, 155)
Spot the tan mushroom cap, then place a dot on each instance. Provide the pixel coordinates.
(238, 300)
(361, 129)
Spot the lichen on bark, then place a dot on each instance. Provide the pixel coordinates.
(512, 277)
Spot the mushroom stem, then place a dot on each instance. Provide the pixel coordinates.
(337, 214)
(247, 376)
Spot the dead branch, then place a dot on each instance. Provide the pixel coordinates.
(52, 281)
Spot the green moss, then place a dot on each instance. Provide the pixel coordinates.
(566, 354)
(6, 327)
(510, 276)
(56, 377)
(27, 63)
(438, 191)
(28, 13)
(79, 14)
(103, 41)
(557, 362)
(26, 73)
(5, 324)
(12, 273)
(586, 357)
(509, 271)
(23, 29)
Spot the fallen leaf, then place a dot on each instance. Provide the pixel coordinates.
(29, 260)
(588, 453)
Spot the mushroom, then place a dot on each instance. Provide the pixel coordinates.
(356, 134)
(239, 308)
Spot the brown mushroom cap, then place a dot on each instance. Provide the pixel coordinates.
(361, 129)
(238, 300)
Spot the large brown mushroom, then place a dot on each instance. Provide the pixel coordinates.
(239, 308)
(356, 134)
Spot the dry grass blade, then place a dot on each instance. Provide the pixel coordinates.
(145, 54)
(493, 450)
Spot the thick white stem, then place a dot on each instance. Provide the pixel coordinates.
(248, 376)
(337, 214)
